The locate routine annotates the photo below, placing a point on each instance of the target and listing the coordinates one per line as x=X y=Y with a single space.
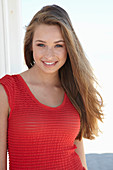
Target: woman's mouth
x=48 y=63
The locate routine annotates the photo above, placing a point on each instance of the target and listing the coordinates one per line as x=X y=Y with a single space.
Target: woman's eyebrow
x=59 y=41
x=46 y=42
x=40 y=41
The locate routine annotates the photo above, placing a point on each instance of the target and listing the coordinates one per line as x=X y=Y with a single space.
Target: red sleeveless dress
x=40 y=137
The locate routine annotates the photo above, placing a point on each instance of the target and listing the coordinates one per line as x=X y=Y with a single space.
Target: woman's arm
x=80 y=152
x=4 y=107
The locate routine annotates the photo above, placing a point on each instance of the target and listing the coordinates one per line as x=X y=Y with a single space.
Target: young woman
x=47 y=110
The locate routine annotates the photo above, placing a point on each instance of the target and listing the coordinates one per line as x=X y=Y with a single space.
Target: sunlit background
x=93 y=24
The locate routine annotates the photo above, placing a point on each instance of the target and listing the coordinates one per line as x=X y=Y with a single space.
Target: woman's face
x=48 y=46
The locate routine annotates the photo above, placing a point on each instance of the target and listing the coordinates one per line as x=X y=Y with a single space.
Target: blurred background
x=93 y=24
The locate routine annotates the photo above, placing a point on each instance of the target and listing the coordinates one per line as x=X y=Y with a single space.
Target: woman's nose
x=50 y=53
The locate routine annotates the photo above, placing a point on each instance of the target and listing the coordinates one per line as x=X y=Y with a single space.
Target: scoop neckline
x=36 y=100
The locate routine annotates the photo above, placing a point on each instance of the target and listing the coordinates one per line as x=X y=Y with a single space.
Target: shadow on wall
x=100 y=161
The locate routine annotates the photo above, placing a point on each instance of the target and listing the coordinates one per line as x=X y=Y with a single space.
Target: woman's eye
x=58 y=45
x=40 y=45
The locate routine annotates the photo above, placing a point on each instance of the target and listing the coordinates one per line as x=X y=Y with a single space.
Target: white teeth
x=49 y=63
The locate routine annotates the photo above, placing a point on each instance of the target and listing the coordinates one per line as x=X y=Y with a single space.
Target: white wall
x=11 y=61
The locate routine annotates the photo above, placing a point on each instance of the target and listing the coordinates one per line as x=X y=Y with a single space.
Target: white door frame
x=11 y=53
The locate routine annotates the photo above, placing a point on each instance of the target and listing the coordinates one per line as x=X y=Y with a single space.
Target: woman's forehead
x=48 y=32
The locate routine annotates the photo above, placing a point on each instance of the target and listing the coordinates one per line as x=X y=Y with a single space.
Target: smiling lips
x=48 y=63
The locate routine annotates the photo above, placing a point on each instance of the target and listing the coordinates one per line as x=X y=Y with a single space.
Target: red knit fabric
x=40 y=137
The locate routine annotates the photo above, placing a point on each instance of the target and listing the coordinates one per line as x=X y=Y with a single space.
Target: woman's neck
x=48 y=79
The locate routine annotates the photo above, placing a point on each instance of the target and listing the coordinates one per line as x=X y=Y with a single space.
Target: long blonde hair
x=76 y=75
